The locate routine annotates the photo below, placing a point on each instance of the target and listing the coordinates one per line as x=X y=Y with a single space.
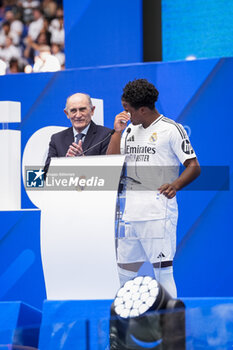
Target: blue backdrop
x=199 y=95
x=102 y=32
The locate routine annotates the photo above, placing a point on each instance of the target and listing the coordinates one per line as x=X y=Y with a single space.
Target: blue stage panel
x=21 y=275
x=81 y=324
x=19 y=325
x=209 y=323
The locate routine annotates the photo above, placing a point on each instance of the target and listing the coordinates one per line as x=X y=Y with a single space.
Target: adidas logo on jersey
x=161 y=255
x=131 y=139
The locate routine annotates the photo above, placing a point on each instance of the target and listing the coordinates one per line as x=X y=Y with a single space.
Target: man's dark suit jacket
x=61 y=141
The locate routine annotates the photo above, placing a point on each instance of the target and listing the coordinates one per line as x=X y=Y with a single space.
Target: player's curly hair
x=140 y=93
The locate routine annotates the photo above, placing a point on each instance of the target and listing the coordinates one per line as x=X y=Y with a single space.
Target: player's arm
x=120 y=124
x=191 y=172
x=181 y=146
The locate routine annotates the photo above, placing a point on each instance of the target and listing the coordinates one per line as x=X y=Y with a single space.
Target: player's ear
x=142 y=110
x=67 y=114
x=92 y=110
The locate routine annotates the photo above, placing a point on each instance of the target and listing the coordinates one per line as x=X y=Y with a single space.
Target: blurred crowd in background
x=31 y=36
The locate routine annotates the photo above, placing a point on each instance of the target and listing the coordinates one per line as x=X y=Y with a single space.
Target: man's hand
x=121 y=121
x=75 y=150
x=167 y=190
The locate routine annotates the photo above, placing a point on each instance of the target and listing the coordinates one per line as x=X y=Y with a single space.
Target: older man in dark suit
x=84 y=137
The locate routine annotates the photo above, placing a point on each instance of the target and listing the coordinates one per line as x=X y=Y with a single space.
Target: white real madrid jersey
x=153 y=158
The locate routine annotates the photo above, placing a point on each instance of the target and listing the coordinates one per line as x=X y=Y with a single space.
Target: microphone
x=127 y=131
x=88 y=149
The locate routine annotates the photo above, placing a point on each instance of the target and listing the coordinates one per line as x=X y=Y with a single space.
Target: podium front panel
x=77 y=233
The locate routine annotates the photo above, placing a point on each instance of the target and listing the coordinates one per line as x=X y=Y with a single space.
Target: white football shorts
x=153 y=241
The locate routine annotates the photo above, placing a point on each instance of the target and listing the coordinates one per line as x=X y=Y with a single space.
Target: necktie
x=78 y=137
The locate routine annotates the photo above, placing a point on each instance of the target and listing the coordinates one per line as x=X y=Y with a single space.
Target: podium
x=78 y=227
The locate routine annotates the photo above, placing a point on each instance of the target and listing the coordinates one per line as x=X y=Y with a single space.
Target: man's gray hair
x=88 y=97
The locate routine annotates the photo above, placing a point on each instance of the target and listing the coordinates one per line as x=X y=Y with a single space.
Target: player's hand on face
x=167 y=190
x=121 y=121
x=75 y=149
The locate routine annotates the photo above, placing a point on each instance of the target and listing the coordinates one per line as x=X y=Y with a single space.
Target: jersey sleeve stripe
x=166 y=120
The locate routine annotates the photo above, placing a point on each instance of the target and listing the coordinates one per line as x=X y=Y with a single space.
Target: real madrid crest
x=153 y=137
